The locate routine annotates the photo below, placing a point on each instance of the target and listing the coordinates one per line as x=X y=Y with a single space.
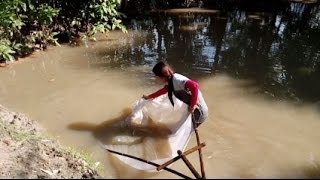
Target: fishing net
x=157 y=131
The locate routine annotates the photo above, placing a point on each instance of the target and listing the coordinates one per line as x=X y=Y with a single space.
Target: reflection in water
x=279 y=48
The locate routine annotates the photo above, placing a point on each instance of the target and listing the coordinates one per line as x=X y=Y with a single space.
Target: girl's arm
x=158 y=93
x=193 y=87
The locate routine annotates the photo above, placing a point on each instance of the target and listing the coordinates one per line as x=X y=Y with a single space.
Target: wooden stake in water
x=199 y=150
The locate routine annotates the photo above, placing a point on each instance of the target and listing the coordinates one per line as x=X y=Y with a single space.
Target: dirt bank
x=27 y=152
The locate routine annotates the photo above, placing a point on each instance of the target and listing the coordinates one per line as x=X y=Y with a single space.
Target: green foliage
x=44 y=14
x=104 y=16
x=6 y=52
x=10 y=19
x=26 y=25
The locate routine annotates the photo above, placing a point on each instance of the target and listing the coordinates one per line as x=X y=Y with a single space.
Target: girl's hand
x=145 y=97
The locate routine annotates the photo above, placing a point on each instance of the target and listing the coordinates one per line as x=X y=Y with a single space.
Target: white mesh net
x=159 y=131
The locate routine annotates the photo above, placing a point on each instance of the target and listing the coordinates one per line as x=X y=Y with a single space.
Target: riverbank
x=27 y=152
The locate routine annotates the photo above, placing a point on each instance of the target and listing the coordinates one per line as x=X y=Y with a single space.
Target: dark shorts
x=200 y=115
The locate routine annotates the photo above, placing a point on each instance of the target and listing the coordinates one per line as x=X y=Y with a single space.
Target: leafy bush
x=26 y=25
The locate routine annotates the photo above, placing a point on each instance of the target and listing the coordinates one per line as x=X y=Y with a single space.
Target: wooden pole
x=192 y=169
x=178 y=157
x=199 y=150
x=151 y=163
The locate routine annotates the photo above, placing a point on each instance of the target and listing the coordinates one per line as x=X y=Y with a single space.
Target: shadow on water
x=110 y=128
x=110 y=132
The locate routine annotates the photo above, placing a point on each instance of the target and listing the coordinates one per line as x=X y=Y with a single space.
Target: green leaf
x=31 y=7
x=23 y=16
x=115 y=12
x=33 y=38
x=106 y=10
x=55 y=42
x=8 y=57
x=10 y=51
x=54 y=33
x=124 y=30
x=100 y=28
x=17 y=46
x=24 y=6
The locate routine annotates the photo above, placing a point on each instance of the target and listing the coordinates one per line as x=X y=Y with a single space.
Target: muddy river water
x=248 y=134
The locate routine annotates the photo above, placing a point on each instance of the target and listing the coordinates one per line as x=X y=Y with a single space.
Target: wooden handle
x=187 y=162
x=151 y=163
x=189 y=151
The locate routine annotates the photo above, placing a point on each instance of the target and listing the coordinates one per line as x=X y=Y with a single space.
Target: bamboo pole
x=178 y=157
x=199 y=150
x=151 y=163
x=189 y=165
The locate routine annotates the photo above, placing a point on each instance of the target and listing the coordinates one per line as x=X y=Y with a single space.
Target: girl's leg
x=199 y=116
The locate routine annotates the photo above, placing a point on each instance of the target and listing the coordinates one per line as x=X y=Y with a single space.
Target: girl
x=183 y=88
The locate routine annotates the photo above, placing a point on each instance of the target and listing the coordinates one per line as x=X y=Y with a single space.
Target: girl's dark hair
x=157 y=70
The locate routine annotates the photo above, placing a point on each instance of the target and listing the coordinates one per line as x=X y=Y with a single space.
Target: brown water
x=248 y=135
